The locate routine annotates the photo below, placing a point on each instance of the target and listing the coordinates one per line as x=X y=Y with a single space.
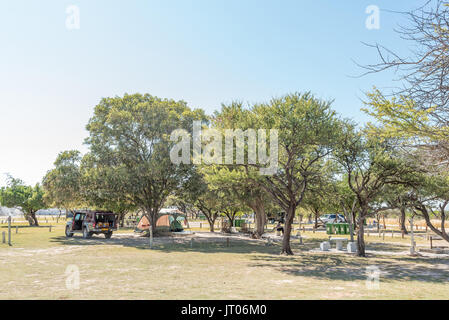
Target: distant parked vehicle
x=89 y=223
x=331 y=218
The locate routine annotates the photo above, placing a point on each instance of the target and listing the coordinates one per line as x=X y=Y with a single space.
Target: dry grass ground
x=124 y=267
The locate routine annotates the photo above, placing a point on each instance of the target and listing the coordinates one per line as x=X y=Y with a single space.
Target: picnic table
x=338 y=242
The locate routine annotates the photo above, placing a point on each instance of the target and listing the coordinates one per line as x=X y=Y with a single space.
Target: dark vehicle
x=89 y=223
x=276 y=217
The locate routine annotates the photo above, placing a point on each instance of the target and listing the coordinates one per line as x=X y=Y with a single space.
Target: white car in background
x=331 y=218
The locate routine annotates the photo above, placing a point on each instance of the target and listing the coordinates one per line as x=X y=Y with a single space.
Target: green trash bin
x=329 y=228
x=238 y=223
x=345 y=228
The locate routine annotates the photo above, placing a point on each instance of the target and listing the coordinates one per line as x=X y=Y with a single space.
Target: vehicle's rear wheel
x=108 y=235
x=86 y=234
x=68 y=234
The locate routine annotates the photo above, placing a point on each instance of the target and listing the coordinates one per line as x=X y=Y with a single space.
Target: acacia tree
x=131 y=134
x=237 y=193
x=370 y=165
x=102 y=188
x=425 y=143
x=26 y=198
x=308 y=130
x=399 y=197
x=233 y=178
x=424 y=72
x=430 y=199
x=320 y=196
x=419 y=108
x=198 y=193
x=62 y=184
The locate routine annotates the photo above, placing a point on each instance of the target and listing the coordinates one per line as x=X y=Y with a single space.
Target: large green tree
x=197 y=192
x=370 y=164
x=102 y=188
x=26 y=198
x=308 y=130
x=244 y=185
x=131 y=134
x=62 y=184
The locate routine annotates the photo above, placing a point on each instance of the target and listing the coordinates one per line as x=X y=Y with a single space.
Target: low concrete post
x=9 y=230
x=325 y=246
x=3 y=237
x=412 y=248
x=17 y=229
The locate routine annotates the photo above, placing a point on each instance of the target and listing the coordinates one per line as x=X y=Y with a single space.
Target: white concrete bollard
x=325 y=246
x=352 y=247
x=339 y=245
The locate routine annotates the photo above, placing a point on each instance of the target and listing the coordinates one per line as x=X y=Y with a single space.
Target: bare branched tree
x=424 y=75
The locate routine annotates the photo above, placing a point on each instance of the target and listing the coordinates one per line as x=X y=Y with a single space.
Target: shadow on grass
x=305 y=264
x=352 y=268
x=217 y=244
x=29 y=227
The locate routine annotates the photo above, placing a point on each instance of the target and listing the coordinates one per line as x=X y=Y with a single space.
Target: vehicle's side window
x=77 y=217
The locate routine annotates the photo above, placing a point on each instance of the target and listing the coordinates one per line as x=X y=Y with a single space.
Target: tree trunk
x=426 y=216
x=286 y=248
x=402 y=221
x=354 y=219
x=122 y=220
x=152 y=218
x=260 y=219
x=32 y=220
x=360 y=237
x=211 y=218
x=212 y=222
x=316 y=219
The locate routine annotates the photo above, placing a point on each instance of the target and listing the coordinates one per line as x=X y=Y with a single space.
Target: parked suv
x=91 y=222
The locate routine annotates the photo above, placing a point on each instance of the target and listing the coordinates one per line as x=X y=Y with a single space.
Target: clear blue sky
x=205 y=52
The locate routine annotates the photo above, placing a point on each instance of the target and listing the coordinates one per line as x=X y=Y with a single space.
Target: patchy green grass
x=124 y=267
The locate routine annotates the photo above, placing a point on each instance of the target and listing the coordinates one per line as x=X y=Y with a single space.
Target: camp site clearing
x=202 y=265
